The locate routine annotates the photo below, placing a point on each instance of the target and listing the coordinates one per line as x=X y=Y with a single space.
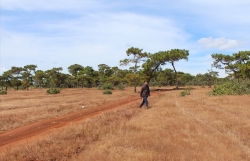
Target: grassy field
x=194 y=127
x=20 y=108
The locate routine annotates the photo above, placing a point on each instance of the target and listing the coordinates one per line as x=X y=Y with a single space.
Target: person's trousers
x=145 y=100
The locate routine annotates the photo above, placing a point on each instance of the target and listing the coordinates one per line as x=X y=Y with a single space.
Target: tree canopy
x=137 y=57
x=236 y=65
x=141 y=66
x=161 y=58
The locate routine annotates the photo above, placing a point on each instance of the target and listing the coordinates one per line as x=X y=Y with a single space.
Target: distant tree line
x=237 y=66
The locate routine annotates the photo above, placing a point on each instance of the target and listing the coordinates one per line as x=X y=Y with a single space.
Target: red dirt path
x=15 y=136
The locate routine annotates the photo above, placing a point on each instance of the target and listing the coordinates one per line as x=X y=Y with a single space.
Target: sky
x=60 y=33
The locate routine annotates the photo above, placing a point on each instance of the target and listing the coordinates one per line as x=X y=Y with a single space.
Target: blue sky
x=59 y=33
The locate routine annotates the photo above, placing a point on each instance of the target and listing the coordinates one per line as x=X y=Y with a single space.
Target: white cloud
x=220 y=43
x=91 y=40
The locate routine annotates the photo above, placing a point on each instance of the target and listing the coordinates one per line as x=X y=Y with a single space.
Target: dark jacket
x=145 y=92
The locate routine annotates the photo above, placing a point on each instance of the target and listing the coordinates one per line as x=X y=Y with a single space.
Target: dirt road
x=42 y=127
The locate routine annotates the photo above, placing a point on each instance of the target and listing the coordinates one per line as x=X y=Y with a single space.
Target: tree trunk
x=135 y=85
x=39 y=84
x=175 y=75
x=135 y=78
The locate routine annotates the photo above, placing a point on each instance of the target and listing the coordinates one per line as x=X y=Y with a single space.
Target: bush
x=186 y=91
x=183 y=93
x=21 y=88
x=232 y=88
x=107 y=86
x=3 y=92
x=107 y=92
x=53 y=91
x=121 y=86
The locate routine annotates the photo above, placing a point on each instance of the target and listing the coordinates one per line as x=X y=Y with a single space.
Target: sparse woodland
x=142 y=66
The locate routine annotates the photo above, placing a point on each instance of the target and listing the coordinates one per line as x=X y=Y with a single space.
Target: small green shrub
x=107 y=86
x=107 y=92
x=53 y=91
x=202 y=86
x=3 y=92
x=186 y=91
x=247 y=85
x=183 y=93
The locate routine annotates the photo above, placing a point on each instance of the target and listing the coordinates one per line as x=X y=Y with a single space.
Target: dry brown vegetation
x=20 y=108
x=194 y=127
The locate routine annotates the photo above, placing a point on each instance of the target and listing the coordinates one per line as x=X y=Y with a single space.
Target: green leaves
x=53 y=91
x=107 y=92
x=236 y=65
x=75 y=69
x=185 y=92
x=54 y=77
x=161 y=58
x=133 y=79
x=137 y=57
x=136 y=52
x=2 y=92
x=232 y=88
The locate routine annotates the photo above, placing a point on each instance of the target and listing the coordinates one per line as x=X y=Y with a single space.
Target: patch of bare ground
x=195 y=127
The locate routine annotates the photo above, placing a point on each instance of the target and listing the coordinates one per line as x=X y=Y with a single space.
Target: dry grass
x=20 y=108
x=181 y=129
x=69 y=142
x=195 y=127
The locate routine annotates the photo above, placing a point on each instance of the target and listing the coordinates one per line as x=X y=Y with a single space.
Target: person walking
x=145 y=92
